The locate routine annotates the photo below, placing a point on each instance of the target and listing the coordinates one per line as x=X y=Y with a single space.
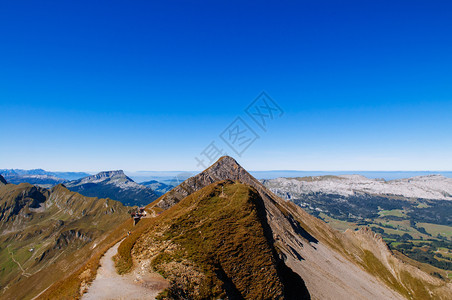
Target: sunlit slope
x=216 y=243
x=332 y=264
x=45 y=234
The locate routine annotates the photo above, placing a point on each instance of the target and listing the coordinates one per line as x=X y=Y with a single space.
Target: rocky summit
x=114 y=185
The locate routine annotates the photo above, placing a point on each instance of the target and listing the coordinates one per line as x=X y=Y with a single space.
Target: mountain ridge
x=332 y=264
x=434 y=187
x=219 y=244
x=46 y=181
x=63 y=175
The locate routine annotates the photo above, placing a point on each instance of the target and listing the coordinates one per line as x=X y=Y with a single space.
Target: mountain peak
x=110 y=173
x=225 y=168
x=227 y=160
x=305 y=247
x=102 y=176
x=225 y=163
x=115 y=185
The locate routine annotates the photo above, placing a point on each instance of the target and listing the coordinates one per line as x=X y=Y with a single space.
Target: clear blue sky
x=147 y=85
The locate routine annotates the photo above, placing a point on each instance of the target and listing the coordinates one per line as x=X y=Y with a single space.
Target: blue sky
x=98 y=85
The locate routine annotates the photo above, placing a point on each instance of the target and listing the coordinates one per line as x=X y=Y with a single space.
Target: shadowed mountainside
x=2 y=180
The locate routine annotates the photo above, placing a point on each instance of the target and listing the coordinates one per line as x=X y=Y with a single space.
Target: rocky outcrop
x=225 y=168
x=71 y=237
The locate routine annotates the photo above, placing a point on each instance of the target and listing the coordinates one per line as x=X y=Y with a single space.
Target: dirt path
x=139 y=284
x=20 y=266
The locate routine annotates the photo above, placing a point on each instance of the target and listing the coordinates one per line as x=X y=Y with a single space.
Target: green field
x=337 y=224
x=435 y=229
x=395 y=212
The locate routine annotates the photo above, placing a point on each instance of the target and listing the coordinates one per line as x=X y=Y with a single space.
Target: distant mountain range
x=40 y=177
x=426 y=187
x=61 y=175
x=110 y=184
x=157 y=186
x=386 y=175
x=114 y=185
x=45 y=181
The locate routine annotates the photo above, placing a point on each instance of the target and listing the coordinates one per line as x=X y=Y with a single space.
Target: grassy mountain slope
x=45 y=234
x=331 y=263
x=213 y=238
x=214 y=244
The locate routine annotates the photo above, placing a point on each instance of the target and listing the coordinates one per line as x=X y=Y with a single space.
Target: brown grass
x=218 y=230
x=69 y=287
x=123 y=260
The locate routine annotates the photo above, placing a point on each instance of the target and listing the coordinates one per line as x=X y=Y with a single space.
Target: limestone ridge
x=433 y=187
x=2 y=180
x=114 y=185
x=101 y=176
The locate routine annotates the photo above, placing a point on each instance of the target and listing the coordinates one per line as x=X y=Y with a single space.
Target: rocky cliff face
x=18 y=202
x=225 y=168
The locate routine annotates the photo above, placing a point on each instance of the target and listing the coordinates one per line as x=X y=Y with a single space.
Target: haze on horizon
x=148 y=86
